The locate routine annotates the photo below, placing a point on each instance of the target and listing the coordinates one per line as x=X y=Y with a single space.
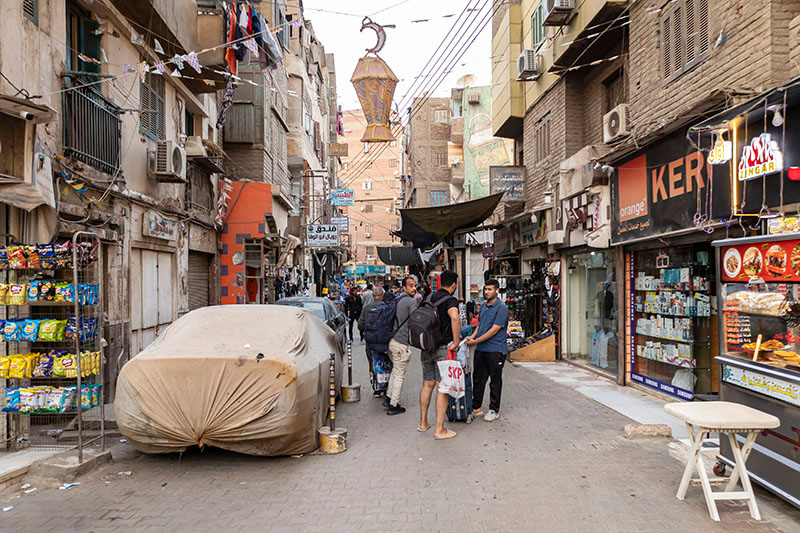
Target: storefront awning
x=400 y=255
x=427 y=226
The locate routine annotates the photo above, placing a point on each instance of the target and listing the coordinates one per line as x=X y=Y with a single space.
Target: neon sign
x=721 y=153
x=762 y=156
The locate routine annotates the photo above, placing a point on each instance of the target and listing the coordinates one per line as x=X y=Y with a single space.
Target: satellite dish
x=465 y=81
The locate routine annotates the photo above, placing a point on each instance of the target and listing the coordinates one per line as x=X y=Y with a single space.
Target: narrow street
x=555 y=461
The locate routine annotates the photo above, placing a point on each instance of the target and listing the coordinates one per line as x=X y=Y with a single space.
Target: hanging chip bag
x=11 y=400
x=16 y=257
x=44 y=367
x=16 y=295
x=47 y=256
x=30 y=329
x=31 y=256
x=5 y=363
x=52 y=330
x=12 y=330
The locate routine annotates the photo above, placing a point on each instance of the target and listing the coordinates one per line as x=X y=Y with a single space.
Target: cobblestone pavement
x=555 y=461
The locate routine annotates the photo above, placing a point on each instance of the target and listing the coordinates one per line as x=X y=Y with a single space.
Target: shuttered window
x=537 y=27
x=30 y=9
x=151 y=102
x=199 y=280
x=684 y=38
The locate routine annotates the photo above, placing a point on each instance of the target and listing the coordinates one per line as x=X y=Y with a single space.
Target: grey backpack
x=424 y=324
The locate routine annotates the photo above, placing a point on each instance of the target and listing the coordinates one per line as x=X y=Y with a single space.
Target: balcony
x=592 y=34
x=92 y=126
x=457 y=173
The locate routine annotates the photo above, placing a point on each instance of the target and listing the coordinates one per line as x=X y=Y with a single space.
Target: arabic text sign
x=321 y=235
x=343 y=223
x=507 y=179
x=343 y=197
x=766 y=385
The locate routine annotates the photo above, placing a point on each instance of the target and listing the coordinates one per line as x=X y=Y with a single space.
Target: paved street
x=556 y=461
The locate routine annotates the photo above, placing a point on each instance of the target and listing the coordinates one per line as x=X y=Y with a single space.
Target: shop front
x=663 y=212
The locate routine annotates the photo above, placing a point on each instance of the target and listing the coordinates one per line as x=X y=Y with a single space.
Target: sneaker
x=395 y=410
x=386 y=402
x=477 y=412
x=377 y=394
x=491 y=416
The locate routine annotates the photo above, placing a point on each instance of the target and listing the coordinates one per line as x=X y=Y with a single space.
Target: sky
x=409 y=45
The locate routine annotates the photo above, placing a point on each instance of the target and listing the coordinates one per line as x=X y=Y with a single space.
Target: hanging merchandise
x=374 y=83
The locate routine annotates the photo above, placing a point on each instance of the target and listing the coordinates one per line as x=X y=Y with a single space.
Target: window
x=537 y=27
x=188 y=126
x=30 y=10
x=440 y=159
x=81 y=39
x=368 y=229
x=366 y=148
x=615 y=90
x=369 y=250
x=542 y=137
x=393 y=162
x=684 y=38
x=151 y=106
x=368 y=208
x=438 y=198
x=366 y=185
x=280 y=21
x=441 y=116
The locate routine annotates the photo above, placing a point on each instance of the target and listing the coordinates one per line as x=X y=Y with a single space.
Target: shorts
x=430 y=368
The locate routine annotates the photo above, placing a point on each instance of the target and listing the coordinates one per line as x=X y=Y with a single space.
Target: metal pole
x=333 y=393
x=350 y=362
x=78 y=330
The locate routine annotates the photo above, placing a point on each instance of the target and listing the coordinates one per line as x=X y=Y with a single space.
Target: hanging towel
x=230 y=53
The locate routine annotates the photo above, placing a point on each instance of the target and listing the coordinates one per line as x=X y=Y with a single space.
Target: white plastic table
x=702 y=418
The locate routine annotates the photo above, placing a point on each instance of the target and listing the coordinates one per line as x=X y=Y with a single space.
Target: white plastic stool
x=725 y=417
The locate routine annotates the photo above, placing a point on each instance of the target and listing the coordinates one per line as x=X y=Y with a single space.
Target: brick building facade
x=426 y=146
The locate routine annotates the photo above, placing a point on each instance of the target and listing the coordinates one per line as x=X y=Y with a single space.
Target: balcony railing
x=92 y=125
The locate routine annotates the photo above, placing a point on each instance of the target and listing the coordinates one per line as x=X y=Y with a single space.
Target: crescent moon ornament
x=379 y=32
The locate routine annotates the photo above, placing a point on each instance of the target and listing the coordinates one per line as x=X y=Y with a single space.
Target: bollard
x=352 y=391
x=332 y=440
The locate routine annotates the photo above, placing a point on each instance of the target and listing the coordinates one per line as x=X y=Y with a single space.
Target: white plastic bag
x=462 y=355
x=452 y=378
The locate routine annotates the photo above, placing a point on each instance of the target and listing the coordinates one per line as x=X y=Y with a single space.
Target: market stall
x=759 y=293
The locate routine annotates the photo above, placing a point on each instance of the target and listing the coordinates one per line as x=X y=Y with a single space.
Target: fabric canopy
x=400 y=255
x=427 y=226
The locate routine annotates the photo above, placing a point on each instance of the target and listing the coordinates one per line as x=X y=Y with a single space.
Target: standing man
x=352 y=309
x=375 y=302
x=490 y=352
x=368 y=295
x=448 y=336
x=399 y=350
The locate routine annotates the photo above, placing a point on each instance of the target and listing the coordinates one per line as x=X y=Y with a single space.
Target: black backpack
x=424 y=324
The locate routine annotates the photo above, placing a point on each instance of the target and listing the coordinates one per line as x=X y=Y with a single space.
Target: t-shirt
x=493 y=315
x=367 y=297
x=444 y=301
x=405 y=305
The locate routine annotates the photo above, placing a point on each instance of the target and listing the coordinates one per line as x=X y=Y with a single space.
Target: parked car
x=248 y=378
x=326 y=311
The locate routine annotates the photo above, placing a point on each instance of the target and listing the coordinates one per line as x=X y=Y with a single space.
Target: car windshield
x=315 y=307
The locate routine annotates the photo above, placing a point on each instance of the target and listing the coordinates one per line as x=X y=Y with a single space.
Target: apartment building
x=375 y=173
x=427 y=137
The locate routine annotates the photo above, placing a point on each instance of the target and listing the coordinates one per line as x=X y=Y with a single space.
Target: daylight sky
x=409 y=45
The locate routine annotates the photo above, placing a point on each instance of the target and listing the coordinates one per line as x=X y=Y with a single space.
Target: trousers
x=400 y=354
x=488 y=366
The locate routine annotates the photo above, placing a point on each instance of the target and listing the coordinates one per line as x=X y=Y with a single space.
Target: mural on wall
x=481 y=150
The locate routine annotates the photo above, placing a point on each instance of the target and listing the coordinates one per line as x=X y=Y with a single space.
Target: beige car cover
x=249 y=378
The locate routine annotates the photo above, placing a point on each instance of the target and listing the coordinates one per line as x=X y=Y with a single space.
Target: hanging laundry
x=227 y=102
x=270 y=44
x=230 y=53
x=252 y=46
x=157 y=46
x=191 y=58
x=159 y=65
x=241 y=32
x=250 y=11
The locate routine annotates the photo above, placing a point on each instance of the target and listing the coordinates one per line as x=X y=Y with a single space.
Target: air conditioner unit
x=169 y=163
x=559 y=12
x=528 y=66
x=474 y=98
x=616 y=123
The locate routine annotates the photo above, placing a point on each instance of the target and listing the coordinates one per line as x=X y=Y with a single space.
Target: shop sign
x=656 y=191
x=767 y=385
x=344 y=239
x=532 y=233
x=338 y=149
x=761 y=157
x=721 y=153
x=779 y=226
x=322 y=235
x=487 y=250
x=663 y=387
x=508 y=179
x=770 y=261
x=343 y=223
x=156 y=226
x=343 y=197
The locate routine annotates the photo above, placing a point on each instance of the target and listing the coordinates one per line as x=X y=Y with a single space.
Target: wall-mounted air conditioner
x=559 y=12
x=169 y=163
x=474 y=98
x=528 y=66
x=616 y=123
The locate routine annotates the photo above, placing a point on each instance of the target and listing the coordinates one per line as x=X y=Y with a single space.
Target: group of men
x=489 y=339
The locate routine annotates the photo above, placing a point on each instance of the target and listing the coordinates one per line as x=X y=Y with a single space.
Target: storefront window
x=591 y=333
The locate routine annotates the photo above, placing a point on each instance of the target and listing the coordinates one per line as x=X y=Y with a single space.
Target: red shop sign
x=770 y=261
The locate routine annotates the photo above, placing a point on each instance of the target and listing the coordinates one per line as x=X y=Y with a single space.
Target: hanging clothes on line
x=230 y=53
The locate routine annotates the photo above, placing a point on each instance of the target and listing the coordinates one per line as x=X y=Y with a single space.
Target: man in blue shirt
x=490 y=352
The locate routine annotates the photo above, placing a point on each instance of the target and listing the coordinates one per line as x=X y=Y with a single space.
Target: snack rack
x=65 y=363
x=759 y=296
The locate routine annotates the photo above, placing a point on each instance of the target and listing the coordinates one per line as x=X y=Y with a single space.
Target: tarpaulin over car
x=248 y=378
x=427 y=226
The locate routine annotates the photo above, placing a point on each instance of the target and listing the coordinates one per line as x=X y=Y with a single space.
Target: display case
x=672 y=312
x=759 y=359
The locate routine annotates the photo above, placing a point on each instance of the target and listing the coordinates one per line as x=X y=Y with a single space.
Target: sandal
x=423 y=430
x=449 y=435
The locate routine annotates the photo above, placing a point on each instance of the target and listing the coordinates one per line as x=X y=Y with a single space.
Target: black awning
x=400 y=255
x=428 y=226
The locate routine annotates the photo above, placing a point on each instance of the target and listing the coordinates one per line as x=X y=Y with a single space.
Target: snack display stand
x=51 y=363
x=759 y=297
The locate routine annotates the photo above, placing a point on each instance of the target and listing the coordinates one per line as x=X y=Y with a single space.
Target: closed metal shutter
x=199 y=272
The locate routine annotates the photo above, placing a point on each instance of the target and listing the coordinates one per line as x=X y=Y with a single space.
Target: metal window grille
x=438 y=198
x=30 y=10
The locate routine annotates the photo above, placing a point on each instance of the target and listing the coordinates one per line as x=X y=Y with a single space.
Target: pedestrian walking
x=446 y=335
x=377 y=296
x=352 y=310
x=490 y=351
x=399 y=349
x=368 y=295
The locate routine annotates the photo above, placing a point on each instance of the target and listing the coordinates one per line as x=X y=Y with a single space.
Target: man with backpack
x=399 y=350
x=433 y=328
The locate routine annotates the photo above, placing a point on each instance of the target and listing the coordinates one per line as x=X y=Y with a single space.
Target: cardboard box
x=542 y=350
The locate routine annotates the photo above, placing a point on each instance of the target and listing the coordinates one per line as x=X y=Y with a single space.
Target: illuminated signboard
x=761 y=157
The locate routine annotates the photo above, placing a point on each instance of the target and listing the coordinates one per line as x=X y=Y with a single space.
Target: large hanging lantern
x=375 y=82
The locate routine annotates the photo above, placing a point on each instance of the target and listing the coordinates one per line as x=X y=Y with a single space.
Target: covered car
x=248 y=378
